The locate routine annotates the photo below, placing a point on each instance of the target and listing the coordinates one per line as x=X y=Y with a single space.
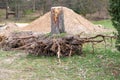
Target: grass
x=105 y=23
x=101 y=65
x=27 y=18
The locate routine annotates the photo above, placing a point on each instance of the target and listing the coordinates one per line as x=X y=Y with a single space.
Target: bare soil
x=74 y=23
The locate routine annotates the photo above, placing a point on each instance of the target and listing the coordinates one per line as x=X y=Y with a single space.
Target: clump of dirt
x=7 y=28
x=74 y=23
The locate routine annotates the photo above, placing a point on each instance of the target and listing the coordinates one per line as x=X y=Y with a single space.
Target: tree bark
x=34 y=5
x=7 y=9
x=57 y=20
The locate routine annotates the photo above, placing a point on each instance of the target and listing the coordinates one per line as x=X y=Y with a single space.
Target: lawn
x=105 y=23
x=103 y=64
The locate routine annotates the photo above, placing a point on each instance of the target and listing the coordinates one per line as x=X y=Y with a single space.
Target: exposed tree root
x=50 y=46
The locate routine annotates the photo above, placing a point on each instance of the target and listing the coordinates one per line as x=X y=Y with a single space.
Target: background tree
x=115 y=14
x=84 y=7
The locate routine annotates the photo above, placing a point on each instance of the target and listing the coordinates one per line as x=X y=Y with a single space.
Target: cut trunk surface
x=57 y=20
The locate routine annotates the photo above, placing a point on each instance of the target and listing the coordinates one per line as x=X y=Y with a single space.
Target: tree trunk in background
x=7 y=9
x=34 y=4
x=16 y=10
x=57 y=20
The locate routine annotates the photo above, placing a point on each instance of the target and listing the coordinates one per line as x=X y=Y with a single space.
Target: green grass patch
x=103 y=64
x=105 y=23
x=28 y=12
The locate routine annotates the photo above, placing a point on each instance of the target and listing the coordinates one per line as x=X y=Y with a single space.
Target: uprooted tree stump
x=42 y=45
x=57 y=20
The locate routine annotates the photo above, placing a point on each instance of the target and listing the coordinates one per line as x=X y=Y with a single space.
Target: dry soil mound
x=8 y=28
x=74 y=23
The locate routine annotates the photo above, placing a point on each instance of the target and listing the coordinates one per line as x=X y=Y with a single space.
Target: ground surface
x=106 y=23
x=102 y=65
